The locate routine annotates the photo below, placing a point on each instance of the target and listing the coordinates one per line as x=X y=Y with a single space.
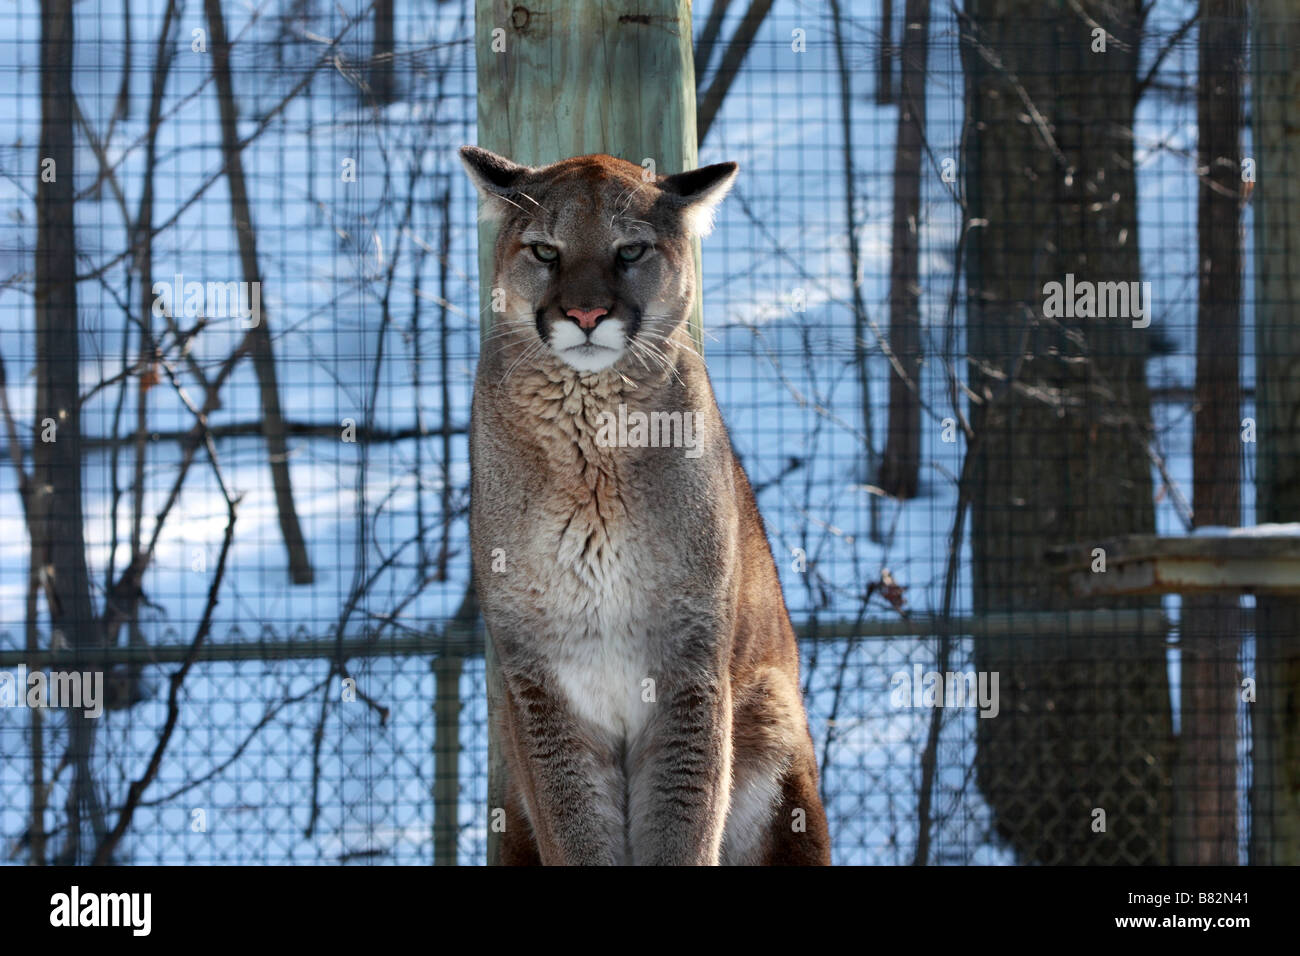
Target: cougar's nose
x=586 y=318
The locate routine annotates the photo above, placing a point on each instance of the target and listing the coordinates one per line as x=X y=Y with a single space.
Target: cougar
x=651 y=710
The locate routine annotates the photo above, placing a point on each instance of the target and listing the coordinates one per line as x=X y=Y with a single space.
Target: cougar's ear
x=495 y=177
x=698 y=193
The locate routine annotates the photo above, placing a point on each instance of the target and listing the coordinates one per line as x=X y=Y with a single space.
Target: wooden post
x=560 y=78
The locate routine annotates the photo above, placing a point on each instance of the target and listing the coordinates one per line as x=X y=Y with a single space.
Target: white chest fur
x=598 y=595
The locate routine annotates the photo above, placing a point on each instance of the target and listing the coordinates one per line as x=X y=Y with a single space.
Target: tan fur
x=602 y=569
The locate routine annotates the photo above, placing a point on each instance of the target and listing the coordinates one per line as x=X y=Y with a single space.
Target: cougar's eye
x=545 y=253
x=632 y=252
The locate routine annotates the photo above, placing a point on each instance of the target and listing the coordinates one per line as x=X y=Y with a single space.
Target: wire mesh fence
x=275 y=288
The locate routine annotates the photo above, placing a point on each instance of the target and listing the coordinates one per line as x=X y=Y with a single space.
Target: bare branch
x=734 y=56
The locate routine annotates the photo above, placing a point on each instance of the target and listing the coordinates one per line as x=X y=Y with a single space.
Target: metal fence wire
x=241 y=516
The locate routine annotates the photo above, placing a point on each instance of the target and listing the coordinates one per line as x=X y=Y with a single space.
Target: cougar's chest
x=593 y=560
x=599 y=595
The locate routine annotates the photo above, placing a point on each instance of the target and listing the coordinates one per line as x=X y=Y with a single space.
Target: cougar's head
x=594 y=259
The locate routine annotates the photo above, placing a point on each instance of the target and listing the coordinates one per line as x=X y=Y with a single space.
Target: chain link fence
x=303 y=682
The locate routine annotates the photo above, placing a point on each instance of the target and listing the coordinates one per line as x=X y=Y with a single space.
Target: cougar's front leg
x=680 y=772
x=571 y=783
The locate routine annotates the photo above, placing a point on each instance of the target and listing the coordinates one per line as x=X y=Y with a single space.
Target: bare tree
x=122 y=109
x=109 y=840
x=1060 y=406
x=1211 y=625
x=51 y=494
x=1275 y=800
x=885 y=68
x=123 y=607
x=711 y=99
x=382 y=86
x=300 y=571
x=709 y=36
x=58 y=545
x=901 y=463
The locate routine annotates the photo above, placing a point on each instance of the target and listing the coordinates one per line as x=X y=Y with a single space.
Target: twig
x=105 y=850
x=1174 y=39
x=711 y=100
x=709 y=38
x=930 y=753
x=326 y=59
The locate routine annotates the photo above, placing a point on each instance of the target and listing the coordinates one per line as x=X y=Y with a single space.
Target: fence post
x=446 y=780
x=560 y=78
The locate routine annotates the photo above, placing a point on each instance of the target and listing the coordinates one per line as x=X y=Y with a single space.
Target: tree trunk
x=1275 y=800
x=1206 y=792
x=58 y=545
x=885 y=68
x=900 y=466
x=1062 y=418
x=300 y=571
x=861 y=350
x=382 y=86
